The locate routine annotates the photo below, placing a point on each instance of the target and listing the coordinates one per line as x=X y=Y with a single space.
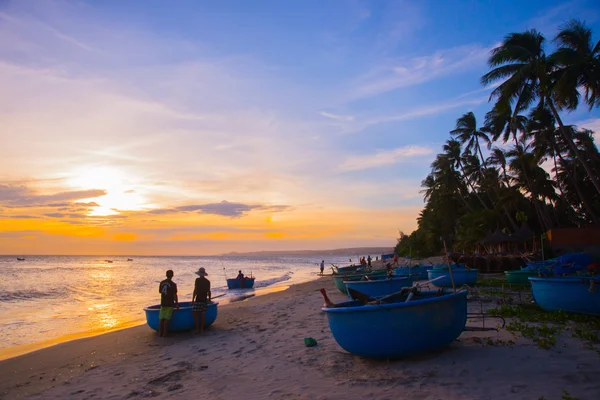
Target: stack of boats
x=566 y=283
x=390 y=316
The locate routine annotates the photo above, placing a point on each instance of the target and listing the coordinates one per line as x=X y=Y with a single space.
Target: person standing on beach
x=200 y=299
x=369 y=261
x=168 y=300
x=322 y=267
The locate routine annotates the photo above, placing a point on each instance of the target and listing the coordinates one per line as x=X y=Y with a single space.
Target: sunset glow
x=129 y=133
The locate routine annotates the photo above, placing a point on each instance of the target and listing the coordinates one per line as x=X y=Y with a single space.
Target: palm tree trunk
x=573 y=147
x=468 y=181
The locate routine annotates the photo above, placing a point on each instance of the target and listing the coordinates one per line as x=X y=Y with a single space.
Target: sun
x=117 y=184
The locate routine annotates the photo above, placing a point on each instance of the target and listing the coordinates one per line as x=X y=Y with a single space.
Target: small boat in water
x=574 y=294
x=462 y=276
x=379 y=287
x=244 y=283
x=20 y=259
x=130 y=259
x=409 y=325
x=338 y=279
x=183 y=319
x=108 y=261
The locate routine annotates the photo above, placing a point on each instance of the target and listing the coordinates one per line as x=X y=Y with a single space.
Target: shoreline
x=255 y=349
x=16 y=351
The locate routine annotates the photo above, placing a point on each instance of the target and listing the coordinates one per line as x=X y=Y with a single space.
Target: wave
x=19 y=295
x=272 y=281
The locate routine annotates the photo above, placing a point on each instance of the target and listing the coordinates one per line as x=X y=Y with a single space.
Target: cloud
x=592 y=124
x=224 y=208
x=360 y=123
x=398 y=73
x=344 y=118
x=384 y=157
x=22 y=196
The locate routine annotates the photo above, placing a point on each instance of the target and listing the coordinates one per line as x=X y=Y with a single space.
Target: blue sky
x=318 y=106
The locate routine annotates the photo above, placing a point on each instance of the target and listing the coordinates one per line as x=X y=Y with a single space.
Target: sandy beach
x=255 y=350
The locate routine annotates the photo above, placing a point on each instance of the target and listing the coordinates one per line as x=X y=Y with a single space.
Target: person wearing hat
x=200 y=299
x=168 y=300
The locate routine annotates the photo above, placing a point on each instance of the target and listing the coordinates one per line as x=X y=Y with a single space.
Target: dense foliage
x=537 y=169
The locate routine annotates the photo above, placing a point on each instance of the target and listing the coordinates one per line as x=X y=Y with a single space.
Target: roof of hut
x=523 y=234
x=495 y=238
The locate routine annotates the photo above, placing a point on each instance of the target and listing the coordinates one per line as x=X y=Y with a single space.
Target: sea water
x=57 y=298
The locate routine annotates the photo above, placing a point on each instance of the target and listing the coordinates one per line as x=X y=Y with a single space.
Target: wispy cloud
x=22 y=196
x=342 y=118
x=384 y=158
x=359 y=123
x=398 y=73
x=592 y=124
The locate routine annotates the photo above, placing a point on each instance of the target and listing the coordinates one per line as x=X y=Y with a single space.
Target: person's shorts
x=199 y=306
x=165 y=313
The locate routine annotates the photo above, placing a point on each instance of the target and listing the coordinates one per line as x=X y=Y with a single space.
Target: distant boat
x=130 y=259
x=108 y=261
x=20 y=259
x=244 y=283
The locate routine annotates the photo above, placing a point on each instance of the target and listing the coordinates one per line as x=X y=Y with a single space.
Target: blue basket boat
x=461 y=277
x=339 y=279
x=347 y=269
x=182 y=319
x=245 y=283
x=428 y=322
x=571 y=294
x=380 y=287
x=445 y=266
x=418 y=271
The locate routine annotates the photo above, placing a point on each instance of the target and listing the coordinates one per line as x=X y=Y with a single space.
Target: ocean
x=47 y=299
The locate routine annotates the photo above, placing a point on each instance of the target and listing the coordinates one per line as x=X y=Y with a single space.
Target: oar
x=216 y=297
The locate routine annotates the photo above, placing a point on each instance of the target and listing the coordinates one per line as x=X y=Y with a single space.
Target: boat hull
x=246 y=283
x=420 y=271
x=519 y=277
x=399 y=329
x=380 y=287
x=183 y=319
x=571 y=294
x=461 y=277
x=338 y=279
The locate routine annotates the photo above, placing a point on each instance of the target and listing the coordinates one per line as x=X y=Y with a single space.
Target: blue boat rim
x=376 y=307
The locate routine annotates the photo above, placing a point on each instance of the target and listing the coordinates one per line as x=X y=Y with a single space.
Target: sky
x=197 y=127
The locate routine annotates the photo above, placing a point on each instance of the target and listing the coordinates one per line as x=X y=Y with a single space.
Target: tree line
x=545 y=173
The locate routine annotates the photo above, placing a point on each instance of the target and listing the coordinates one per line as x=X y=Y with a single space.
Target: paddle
x=216 y=297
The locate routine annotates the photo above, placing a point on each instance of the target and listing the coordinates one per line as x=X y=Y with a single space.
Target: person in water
x=168 y=301
x=240 y=275
x=322 y=267
x=200 y=299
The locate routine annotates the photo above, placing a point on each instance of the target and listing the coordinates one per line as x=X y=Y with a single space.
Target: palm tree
x=452 y=151
x=498 y=158
x=578 y=65
x=467 y=133
x=521 y=60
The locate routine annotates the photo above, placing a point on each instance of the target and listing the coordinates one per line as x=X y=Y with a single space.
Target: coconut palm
x=527 y=71
x=578 y=66
x=469 y=135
